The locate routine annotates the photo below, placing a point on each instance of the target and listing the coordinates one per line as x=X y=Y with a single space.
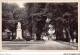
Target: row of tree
x=62 y=15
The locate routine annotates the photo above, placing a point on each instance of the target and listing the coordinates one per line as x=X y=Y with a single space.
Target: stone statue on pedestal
x=19 y=31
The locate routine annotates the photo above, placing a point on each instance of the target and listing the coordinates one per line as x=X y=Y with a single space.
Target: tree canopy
x=12 y=13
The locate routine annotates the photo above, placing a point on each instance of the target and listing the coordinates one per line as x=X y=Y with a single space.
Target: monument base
x=19 y=34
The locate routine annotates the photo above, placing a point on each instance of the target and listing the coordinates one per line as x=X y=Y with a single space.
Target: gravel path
x=38 y=45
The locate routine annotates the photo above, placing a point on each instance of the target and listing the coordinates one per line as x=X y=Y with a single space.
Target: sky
x=20 y=4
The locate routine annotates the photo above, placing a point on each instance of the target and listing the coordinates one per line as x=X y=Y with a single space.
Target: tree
x=8 y=20
x=53 y=11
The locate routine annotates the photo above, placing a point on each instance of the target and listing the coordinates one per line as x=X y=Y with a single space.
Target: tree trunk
x=68 y=35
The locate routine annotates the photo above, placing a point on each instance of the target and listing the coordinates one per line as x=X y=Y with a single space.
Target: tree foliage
x=28 y=16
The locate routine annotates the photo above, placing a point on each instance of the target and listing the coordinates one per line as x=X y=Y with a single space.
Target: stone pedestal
x=19 y=34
